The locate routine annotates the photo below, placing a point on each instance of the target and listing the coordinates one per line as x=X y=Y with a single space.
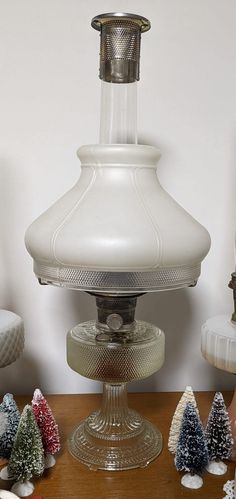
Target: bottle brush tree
x=3 y=427
x=229 y=488
x=10 y=409
x=191 y=452
x=48 y=427
x=218 y=436
x=188 y=396
x=27 y=457
x=3 y=422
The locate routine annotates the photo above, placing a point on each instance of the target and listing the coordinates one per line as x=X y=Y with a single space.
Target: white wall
x=49 y=105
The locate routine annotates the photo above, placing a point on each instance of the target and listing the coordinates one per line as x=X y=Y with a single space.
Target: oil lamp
x=116 y=235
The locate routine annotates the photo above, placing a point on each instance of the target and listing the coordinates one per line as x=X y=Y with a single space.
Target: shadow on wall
x=171 y=311
x=5 y=220
x=23 y=372
x=81 y=306
x=174 y=312
x=13 y=208
x=228 y=231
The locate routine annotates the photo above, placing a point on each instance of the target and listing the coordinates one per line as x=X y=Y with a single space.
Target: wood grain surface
x=71 y=480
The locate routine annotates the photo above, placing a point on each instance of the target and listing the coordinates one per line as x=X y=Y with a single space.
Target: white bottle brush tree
x=27 y=457
x=191 y=452
x=48 y=427
x=9 y=408
x=229 y=488
x=218 y=436
x=188 y=396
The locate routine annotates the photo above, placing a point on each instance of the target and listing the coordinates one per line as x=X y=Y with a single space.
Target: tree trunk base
x=217 y=468
x=192 y=481
x=23 y=489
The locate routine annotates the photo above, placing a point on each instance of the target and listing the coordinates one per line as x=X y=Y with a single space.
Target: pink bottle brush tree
x=48 y=427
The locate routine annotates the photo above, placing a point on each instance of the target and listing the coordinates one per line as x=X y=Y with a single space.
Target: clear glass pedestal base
x=115 y=350
x=115 y=437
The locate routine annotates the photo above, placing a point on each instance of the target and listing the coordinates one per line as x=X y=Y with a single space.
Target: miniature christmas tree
x=9 y=407
x=27 y=457
x=218 y=436
x=3 y=422
x=191 y=452
x=3 y=427
x=48 y=427
x=229 y=488
x=188 y=396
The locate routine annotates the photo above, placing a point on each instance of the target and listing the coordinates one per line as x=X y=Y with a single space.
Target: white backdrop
x=49 y=106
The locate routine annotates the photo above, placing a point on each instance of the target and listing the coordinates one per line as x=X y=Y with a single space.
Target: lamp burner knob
x=114 y=322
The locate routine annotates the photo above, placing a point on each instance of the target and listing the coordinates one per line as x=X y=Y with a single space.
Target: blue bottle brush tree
x=11 y=411
x=191 y=453
x=218 y=436
x=3 y=423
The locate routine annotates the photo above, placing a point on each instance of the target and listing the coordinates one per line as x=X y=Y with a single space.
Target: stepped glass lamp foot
x=115 y=437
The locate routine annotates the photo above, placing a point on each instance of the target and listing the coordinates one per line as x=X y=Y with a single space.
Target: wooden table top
x=71 y=480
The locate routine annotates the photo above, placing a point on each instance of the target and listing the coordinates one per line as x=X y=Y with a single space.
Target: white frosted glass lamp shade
x=11 y=337
x=117 y=228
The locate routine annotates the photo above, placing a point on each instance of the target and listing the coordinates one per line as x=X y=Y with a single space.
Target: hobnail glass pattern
x=122 y=282
x=11 y=337
x=116 y=362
